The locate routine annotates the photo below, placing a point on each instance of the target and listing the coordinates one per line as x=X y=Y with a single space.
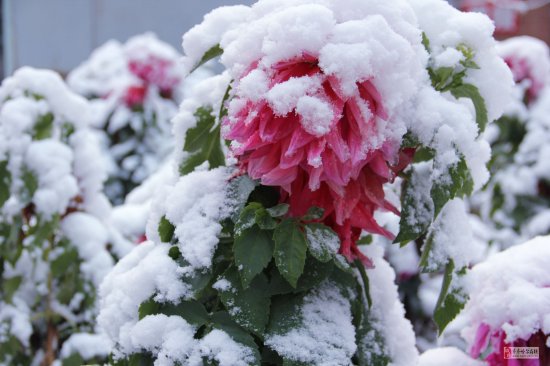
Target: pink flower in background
x=324 y=151
x=499 y=351
x=521 y=69
x=529 y=60
x=135 y=95
x=151 y=70
x=156 y=71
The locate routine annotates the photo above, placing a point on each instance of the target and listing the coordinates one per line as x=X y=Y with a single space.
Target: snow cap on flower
x=509 y=300
x=529 y=60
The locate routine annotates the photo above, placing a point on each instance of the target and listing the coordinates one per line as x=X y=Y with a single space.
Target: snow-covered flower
x=529 y=60
x=134 y=90
x=509 y=304
x=315 y=141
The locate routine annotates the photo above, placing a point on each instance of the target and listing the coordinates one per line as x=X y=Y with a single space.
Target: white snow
x=447 y=356
x=51 y=161
x=90 y=237
x=195 y=206
x=219 y=346
x=388 y=310
x=144 y=272
x=453 y=238
x=326 y=335
x=510 y=291
x=87 y=345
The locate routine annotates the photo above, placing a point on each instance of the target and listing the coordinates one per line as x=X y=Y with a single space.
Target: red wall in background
x=536 y=23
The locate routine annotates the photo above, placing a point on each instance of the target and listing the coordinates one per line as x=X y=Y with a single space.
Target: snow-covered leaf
x=203 y=143
x=213 y=52
x=253 y=250
x=192 y=311
x=314 y=213
x=9 y=286
x=315 y=273
x=248 y=307
x=290 y=250
x=456 y=183
x=472 y=92
x=322 y=241
x=451 y=300
x=166 y=230
x=238 y=191
x=417 y=207
x=5 y=181
x=223 y=321
x=280 y=210
x=44 y=127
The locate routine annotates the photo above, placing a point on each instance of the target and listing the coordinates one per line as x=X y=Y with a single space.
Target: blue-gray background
x=59 y=34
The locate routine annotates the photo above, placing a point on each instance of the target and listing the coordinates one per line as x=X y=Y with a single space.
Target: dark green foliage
x=203 y=142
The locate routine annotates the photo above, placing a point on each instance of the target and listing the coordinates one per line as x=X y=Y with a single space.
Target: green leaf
x=472 y=92
x=416 y=207
x=223 y=107
x=247 y=218
x=9 y=286
x=44 y=230
x=440 y=77
x=12 y=247
x=213 y=52
x=365 y=240
x=285 y=313
x=409 y=140
x=450 y=301
x=253 y=251
x=197 y=280
x=223 y=321
x=290 y=250
x=322 y=241
x=62 y=263
x=426 y=42
x=192 y=311
x=5 y=182
x=74 y=359
x=456 y=183
x=315 y=273
x=264 y=220
x=314 y=213
x=238 y=191
x=203 y=143
x=30 y=185
x=366 y=287
x=342 y=264
x=248 y=307
x=174 y=252
x=44 y=127
x=425 y=257
x=279 y=211
x=373 y=352
x=166 y=230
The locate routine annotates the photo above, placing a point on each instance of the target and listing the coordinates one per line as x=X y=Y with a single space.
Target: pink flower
x=329 y=161
x=156 y=71
x=522 y=71
x=495 y=341
x=135 y=95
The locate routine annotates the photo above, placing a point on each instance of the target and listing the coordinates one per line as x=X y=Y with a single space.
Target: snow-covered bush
x=513 y=207
x=253 y=254
x=134 y=89
x=52 y=238
x=509 y=304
